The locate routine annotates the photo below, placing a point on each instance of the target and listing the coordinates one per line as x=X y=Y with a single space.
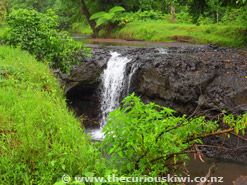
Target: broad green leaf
x=108 y=16
x=116 y=9
x=89 y=174
x=97 y=15
x=101 y=21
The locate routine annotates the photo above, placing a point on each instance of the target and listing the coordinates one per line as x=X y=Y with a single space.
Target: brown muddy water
x=228 y=170
x=91 y=42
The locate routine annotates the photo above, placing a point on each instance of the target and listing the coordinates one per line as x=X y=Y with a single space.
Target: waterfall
x=113 y=83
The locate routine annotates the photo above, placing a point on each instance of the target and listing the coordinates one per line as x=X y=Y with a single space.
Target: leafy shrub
x=124 y=18
x=183 y=17
x=235 y=16
x=3 y=29
x=36 y=33
x=205 y=20
x=146 y=15
x=103 y=18
x=82 y=28
x=40 y=140
x=150 y=140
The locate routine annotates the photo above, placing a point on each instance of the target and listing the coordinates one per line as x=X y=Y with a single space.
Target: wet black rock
x=213 y=78
x=82 y=86
x=177 y=80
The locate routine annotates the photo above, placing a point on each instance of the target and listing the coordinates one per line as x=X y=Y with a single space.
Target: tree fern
x=97 y=15
x=106 y=17
x=101 y=21
x=116 y=9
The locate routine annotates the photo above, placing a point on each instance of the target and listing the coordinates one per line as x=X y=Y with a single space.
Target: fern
x=106 y=17
x=101 y=21
x=97 y=15
x=116 y=9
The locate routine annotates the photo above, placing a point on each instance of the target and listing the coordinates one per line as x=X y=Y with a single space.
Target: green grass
x=163 y=31
x=40 y=140
x=3 y=28
x=82 y=28
x=160 y=31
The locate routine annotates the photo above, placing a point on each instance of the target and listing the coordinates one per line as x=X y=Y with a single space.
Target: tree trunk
x=173 y=12
x=86 y=13
x=217 y=15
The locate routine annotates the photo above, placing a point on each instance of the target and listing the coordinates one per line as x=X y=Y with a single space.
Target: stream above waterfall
x=95 y=42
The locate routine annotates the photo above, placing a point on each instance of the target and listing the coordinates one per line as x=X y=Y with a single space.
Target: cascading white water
x=162 y=50
x=113 y=82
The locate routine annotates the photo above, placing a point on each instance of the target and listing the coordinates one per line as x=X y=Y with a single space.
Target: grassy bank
x=82 y=28
x=224 y=35
x=161 y=31
x=40 y=140
x=3 y=28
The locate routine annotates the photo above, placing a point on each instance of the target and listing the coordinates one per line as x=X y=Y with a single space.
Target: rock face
x=187 y=77
x=203 y=78
x=82 y=86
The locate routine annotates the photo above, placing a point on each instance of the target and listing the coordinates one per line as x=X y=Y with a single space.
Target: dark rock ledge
x=215 y=78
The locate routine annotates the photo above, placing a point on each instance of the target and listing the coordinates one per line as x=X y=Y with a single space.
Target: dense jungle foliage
x=76 y=16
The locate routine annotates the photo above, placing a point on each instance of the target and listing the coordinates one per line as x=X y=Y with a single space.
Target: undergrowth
x=40 y=140
x=82 y=28
x=163 y=31
x=159 y=31
x=3 y=28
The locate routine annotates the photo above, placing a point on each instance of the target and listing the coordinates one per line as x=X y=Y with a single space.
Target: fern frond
x=101 y=21
x=97 y=15
x=116 y=9
x=108 y=16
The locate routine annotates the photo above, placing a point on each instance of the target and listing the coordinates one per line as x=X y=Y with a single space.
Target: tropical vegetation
x=153 y=141
x=79 y=15
x=36 y=33
x=41 y=139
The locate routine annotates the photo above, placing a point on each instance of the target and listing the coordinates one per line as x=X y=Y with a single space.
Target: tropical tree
x=90 y=7
x=86 y=8
x=104 y=17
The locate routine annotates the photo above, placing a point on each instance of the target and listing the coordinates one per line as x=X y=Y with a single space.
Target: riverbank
x=161 y=31
x=38 y=133
x=3 y=28
x=223 y=35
